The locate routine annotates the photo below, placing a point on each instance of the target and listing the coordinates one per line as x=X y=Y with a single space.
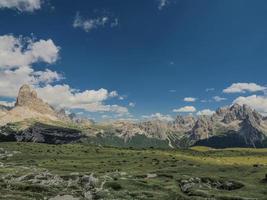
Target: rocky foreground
x=33 y=120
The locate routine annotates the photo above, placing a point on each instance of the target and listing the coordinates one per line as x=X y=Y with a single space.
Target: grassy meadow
x=196 y=173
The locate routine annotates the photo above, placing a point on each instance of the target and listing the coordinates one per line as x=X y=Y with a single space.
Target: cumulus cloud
x=218 y=98
x=47 y=76
x=259 y=103
x=205 y=112
x=113 y=94
x=244 y=87
x=89 y=100
x=21 y=5
x=190 y=99
x=90 y=24
x=18 y=52
x=187 y=109
x=17 y=57
x=11 y=80
x=158 y=116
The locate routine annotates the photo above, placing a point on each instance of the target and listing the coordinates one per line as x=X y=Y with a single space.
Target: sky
x=124 y=59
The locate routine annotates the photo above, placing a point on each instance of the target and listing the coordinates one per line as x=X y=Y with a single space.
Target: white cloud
x=158 y=116
x=206 y=112
x=47 y=76
x=131 y=104
x=7 y=104
x=172 y=91
x=190 y=99
x=16 y=58
x=244 y=87
x=90 y=24
x=19 y=52
x=113 y=94
x=185 y=109
x=259 y=103
x=162 y=4
x=218 y=98
x=21 y=5
x=89 y=100
x=17 y=55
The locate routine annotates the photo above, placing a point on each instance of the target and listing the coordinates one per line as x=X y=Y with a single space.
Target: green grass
x=247 y=166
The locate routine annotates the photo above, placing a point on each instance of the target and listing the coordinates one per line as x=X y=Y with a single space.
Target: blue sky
x=153 y=53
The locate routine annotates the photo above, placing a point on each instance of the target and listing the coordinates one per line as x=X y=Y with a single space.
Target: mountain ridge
x=235 y=121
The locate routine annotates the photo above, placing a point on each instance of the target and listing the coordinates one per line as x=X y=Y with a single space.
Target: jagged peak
x=238 y=107
x=27 y=97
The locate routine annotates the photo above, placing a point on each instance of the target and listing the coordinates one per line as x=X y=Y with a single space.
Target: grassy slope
x=171 y=166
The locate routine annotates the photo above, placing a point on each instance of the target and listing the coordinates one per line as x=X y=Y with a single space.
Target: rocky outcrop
x=87 y=187
x=40 y=133
x=251 y=131
x=28 y=98
x=202 y=129
x=28 y=106
x=80 y=120
x=183 y=123
x=198 y=187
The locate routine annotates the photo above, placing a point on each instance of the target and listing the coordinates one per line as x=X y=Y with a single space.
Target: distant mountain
x=234 y=126
x=33 y=120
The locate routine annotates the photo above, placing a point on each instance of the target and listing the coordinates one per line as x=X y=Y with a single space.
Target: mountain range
x=33 y=120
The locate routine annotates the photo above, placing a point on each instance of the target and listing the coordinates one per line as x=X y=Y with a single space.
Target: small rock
x=152 y=175
x=89 y=181
x=88 y=195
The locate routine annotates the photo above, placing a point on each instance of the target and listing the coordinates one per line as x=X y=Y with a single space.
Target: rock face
x=28 y=98
x=202 y=129
x=183 y=123
x=28 y=106
x=73 y=118
x=236 y=126
x=41 y=133
x=80 y=120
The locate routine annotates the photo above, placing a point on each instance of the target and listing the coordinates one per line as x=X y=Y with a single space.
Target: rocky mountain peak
x=237 y=112
x=27 y=97
x=183 y=123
